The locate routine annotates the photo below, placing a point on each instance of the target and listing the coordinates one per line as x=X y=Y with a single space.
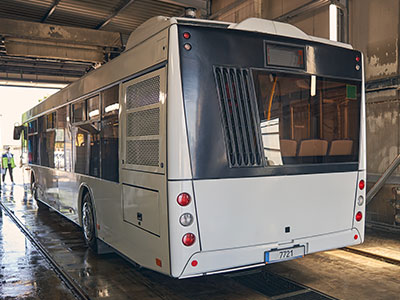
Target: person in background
x=7 y=162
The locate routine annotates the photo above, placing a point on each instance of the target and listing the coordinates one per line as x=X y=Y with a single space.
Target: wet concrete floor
x=346 y=275
x=337 y=273
x=24 y=273
x=383 y=243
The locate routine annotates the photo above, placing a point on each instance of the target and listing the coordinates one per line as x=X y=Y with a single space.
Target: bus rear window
x=301 y=125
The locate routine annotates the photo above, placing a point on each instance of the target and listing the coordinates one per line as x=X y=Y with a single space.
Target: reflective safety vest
x=5 y=161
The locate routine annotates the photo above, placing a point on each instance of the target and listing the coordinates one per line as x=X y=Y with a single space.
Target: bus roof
x=156 y=24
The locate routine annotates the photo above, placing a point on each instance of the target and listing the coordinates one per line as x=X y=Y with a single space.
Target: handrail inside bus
x=382 y=180
x=271 y=97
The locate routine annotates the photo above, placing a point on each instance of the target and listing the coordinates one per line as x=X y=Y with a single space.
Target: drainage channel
x=65 y=277
x=277 y=287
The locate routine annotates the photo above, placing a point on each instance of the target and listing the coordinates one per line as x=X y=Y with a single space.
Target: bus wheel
x=89 y=231
x=41 y=206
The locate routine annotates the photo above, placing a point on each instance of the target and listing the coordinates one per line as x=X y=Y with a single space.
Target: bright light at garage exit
x=14 y=101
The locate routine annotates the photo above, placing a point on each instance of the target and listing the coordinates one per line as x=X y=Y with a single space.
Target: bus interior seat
x=313 y=148
x=288 y=147
x=341 y=147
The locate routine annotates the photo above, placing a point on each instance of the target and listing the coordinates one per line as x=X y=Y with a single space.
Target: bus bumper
x=220 y=261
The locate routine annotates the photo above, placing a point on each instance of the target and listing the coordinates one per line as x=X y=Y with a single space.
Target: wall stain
x=382 y=59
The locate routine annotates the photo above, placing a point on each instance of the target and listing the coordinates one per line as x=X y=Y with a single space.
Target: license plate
x=284 y=254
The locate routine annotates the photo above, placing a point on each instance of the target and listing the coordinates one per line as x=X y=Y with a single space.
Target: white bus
x=208 y=147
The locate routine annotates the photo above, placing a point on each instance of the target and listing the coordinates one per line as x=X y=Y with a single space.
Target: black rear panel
x=222 y=120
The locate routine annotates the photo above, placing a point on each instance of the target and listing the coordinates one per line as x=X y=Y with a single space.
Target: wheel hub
x=87 y=220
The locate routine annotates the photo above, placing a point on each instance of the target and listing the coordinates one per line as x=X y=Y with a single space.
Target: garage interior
x=51 y=43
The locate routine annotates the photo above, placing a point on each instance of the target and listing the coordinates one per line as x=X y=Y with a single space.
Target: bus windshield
x=307 y=119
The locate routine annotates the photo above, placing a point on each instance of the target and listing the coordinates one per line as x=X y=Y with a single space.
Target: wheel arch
x=83 y=190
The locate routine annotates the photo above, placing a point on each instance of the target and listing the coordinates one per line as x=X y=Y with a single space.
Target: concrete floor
x=24 y=274
x=351 y=276
x=344 y=275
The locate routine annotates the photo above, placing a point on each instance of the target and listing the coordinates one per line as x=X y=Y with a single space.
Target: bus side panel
x=68 y=188
x=47 y=186
x=142 y=246
x=143 y=243
x=143 y=220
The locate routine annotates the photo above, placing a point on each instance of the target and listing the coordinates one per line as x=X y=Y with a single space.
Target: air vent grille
x=239 y=117
x=142 y=152
x=143 y=93
x=143 y=122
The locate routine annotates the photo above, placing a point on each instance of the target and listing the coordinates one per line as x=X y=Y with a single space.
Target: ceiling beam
x=199 y=4
x=117 y=11
x=51 y=11
x=226 y=9
x=303 y=10
x=30 y=39
x=56 y=33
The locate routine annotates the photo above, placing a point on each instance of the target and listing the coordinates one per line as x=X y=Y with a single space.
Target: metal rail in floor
x=383 y=258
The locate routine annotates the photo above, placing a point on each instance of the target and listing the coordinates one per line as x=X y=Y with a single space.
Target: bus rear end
x=275 y=149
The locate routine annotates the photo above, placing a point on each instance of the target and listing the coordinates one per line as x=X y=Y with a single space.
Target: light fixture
x=333 y=22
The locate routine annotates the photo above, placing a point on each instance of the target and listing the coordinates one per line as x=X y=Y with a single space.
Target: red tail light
x=183 y=199
x=361 y=184
x=359 y=216
x=188 y=239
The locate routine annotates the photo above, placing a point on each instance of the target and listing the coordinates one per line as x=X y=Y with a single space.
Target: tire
x=41 y=206
x=34 y=190
x=88 y=224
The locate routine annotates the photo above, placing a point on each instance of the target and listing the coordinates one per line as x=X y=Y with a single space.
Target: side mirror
x=17 y=131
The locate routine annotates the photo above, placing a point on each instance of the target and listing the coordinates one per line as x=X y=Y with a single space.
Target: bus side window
x=43 y=159
x=32 y=142
x=109 y=134
x=87 y=136
x=61 y=143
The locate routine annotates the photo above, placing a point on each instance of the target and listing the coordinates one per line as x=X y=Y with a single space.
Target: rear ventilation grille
x=239 y=117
